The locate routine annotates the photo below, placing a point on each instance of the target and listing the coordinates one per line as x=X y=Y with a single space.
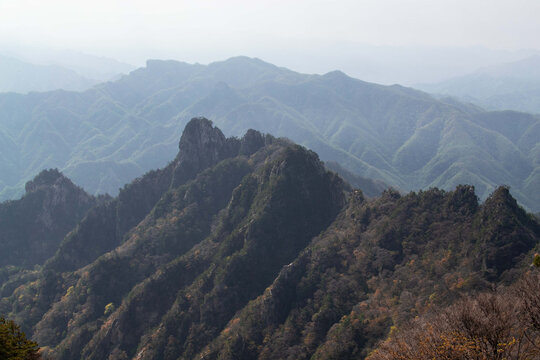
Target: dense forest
x=244 y=248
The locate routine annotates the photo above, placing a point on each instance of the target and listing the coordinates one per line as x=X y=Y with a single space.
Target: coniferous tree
x=13 y=343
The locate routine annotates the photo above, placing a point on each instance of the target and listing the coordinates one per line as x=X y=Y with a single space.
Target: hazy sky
x=206 y=30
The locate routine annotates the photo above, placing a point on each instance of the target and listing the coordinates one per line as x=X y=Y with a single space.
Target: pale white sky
x=206 y=30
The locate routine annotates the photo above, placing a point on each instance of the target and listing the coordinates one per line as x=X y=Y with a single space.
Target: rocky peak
x=31 y=228
x=504 y=245
x=463 y=200
x=252 y=141
x=201 y=146
x=500 y=202
x=58 y=195
x=46 y=178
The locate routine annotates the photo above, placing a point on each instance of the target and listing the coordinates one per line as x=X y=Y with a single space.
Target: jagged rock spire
x=201 y=146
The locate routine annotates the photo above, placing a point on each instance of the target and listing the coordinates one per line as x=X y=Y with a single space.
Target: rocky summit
x=32 y=227
x=247 y=248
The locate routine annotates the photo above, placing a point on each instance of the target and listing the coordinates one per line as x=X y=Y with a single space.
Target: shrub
x=496 y=326
x=109 y=308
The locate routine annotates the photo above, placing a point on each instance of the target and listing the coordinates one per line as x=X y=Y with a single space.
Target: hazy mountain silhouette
x=22 y=77
x=511 y=86
x=107 y=135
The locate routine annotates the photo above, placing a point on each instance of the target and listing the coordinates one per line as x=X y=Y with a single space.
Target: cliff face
x=249 y=248
x=201 y=146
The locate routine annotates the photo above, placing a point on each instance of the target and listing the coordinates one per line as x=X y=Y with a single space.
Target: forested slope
x=249 y=247
x=104 y=137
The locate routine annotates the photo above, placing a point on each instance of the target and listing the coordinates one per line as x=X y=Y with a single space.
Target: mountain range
x=509 y=86
x=24 y=70
x=248 y=247
x=22 y=77
x=103 y=137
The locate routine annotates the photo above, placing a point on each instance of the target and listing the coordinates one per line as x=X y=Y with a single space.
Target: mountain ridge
x=31 y=228
x=510 y=86
x=398 y=135
x=22 y=77
x=250 y=247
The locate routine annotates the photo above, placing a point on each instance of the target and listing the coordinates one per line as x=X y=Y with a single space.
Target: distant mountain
x=22 y=77
x=105 y=136
x=89 y=66
x=244 y=248
x=511 y=86
x=370 y=187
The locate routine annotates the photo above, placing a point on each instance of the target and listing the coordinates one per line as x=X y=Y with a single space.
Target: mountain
x=22 y=77
x=380 y=264
x=89 y=66
x=249 y=247
x=370 y=187
x=105 y=136
x=32 y=227
x=510 y=86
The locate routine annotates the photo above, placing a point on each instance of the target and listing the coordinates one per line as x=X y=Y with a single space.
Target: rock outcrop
x=32 y=227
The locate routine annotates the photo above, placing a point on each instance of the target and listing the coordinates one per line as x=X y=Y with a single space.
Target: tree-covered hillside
x=32 y=227
x=103 y=137
x=244 y=248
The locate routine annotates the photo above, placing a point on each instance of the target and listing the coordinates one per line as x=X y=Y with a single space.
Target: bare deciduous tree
x=491 y=326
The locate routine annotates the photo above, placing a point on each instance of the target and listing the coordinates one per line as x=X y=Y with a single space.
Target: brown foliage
x=497 y=325
x=528 y=290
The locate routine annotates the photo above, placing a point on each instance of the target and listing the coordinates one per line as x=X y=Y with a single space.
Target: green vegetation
x=106 y=136
x=379 y=265
x=249 y=247
x=536 y=260
x=13 y=343
x=109 y=309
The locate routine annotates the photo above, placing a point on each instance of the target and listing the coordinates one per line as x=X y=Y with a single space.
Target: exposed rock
x=201 y=146
x=253 y=141
x=256 y=251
